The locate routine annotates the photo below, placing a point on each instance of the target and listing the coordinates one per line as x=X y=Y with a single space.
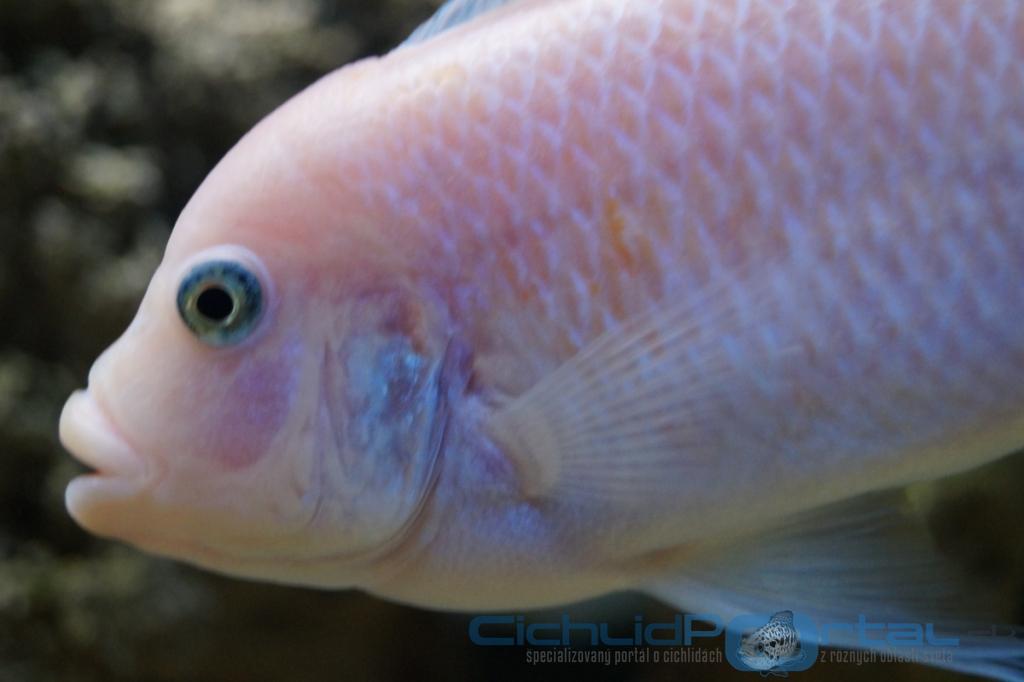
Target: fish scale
x=700 y=221
x=743 y=153
x=820 y=140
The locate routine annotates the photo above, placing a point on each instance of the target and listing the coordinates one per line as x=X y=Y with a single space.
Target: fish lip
x=96 y=500
x=88 y=433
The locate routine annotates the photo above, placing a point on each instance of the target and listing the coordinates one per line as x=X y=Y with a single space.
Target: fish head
x=755 y=652
x=275 y=408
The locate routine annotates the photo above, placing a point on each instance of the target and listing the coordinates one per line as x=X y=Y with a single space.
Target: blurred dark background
x=111 y=113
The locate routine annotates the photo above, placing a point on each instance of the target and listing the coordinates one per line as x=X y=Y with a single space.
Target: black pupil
x=215 y=304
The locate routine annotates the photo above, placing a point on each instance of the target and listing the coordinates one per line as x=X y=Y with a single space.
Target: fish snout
x=119 y=473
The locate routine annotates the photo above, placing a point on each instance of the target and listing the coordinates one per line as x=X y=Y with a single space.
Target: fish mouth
x=118 y=471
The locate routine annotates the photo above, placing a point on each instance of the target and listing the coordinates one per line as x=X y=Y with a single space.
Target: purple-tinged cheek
x=255 y=407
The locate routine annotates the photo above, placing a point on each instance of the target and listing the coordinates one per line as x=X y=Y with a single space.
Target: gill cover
x=385 y=392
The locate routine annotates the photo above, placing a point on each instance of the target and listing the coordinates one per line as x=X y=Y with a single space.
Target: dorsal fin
x=451 y=14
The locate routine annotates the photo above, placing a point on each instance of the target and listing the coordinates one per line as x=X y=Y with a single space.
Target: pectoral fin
x=645 y=405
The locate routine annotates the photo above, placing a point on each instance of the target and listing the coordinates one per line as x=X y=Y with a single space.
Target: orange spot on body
x=616 y=226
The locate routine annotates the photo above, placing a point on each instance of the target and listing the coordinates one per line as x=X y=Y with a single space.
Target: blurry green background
x=111 y=113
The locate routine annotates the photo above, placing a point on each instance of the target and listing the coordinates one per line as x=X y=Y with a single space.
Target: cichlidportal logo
x=766 y=643
x=772 y=648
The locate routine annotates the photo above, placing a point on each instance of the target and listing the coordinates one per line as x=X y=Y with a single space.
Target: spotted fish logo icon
x=772 y=648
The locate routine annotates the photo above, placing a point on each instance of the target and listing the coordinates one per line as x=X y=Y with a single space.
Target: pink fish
x=574 y=296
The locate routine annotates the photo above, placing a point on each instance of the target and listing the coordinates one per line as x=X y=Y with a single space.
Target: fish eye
x=220 y=302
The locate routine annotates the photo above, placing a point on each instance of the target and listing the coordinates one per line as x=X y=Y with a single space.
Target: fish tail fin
x=868 y=575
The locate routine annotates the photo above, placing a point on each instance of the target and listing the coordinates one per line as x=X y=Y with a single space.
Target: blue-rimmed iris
x=221 y=302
